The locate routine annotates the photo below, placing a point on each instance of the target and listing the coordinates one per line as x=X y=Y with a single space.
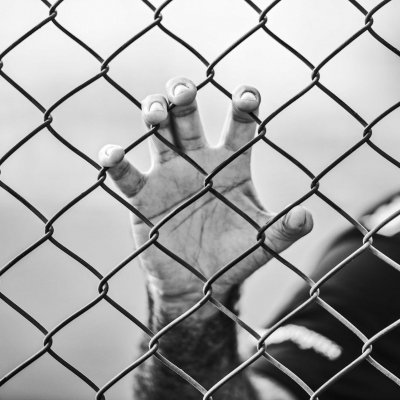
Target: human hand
x=207 y=234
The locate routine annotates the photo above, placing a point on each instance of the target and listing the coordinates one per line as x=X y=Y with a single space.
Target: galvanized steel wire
x=366 y=139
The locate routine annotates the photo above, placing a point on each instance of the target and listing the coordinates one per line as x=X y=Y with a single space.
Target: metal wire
x=366 y=237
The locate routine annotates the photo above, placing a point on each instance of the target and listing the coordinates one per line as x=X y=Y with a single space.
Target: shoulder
x=380 y=212
x=315 y=345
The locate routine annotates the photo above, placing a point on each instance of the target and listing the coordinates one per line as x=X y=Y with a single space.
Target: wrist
x=204 y=346
x=174 y=305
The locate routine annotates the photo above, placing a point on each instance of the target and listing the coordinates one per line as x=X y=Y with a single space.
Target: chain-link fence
x=315 y=178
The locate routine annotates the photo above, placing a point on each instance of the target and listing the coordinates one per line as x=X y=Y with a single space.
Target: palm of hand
x=207 y=234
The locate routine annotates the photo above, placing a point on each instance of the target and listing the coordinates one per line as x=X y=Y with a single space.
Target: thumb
x=297 y=223
x=127 y=178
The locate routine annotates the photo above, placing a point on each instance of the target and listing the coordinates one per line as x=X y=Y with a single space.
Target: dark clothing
x=315 y=345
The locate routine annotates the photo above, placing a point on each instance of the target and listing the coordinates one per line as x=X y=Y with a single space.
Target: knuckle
x=180 y=112
x=242 y=118
x=240 y=115
x=121 y=171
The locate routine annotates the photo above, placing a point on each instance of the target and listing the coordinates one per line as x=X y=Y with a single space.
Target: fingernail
x=180 y=88
x=156 y=106
x=249 y=96
x=111 y=155
x=109 y=148
x=296 y=218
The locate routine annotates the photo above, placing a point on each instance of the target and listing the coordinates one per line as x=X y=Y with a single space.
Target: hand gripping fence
x=261 y=24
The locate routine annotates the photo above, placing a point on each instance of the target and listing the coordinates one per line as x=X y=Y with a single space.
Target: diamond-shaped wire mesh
x=211 y=79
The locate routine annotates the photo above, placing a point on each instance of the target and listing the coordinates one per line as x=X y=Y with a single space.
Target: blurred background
x=51 y=286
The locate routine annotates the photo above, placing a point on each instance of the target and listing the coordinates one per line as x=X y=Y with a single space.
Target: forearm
x=203 y=345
